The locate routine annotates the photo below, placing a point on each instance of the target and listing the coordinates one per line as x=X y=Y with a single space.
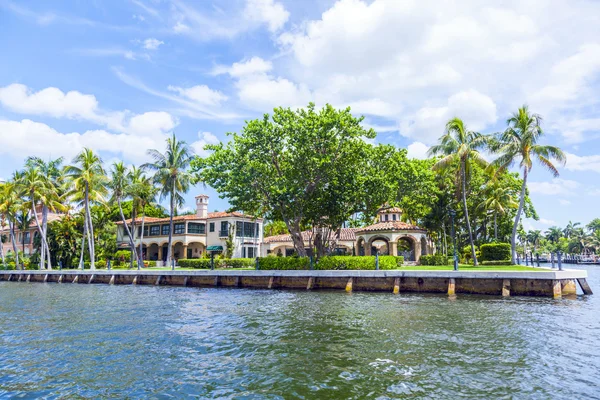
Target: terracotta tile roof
x=390 y=210
x=390 y=226
x=193 y=217
x=346 y=234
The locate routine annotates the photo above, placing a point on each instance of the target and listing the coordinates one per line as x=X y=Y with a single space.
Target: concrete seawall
x=543 y=283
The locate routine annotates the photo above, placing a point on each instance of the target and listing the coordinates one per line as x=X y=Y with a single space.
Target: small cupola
x=386 y=214
x=202 y=206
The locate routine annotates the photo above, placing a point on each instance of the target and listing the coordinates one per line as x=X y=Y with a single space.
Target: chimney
x=202 y=206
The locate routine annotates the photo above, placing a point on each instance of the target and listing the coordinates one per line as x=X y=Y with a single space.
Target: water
x=100 y=341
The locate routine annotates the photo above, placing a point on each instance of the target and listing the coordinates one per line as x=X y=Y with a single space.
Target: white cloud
x=427 y=124
x=262 y=92
x=583 y=163
x=204 y=138
x=564 y=202
x=28 y=138
x=255 y=65
x=417 y=150
x=201 y=94
x=556 y=186
x=152 y=43
x=269 y=12
x=547 y=221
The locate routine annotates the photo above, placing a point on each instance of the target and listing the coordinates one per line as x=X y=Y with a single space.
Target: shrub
x=10 y=265
x=435 y=259
x=356 y=263
x=101 y=264
x=200 y=263
x=238 y=263
x=123 y=256
x=497 y=262
x=149 y=263
x=495 y=252
x=284 y=263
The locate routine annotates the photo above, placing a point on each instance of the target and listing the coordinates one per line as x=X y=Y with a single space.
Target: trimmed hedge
x=204 y=263
x=495 y=252
x=434 y=259
x=362 y=262
x=497 y=262
x=284 y=263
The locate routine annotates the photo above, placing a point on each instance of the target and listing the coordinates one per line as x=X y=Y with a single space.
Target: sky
x=121 y=76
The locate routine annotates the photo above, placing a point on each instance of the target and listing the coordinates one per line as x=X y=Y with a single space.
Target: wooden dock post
x=60 y=278
x=45 y=278
x=584 y=286
x=91 y=279
x=20 y=276
x=185 y=281
x=76 y=279
x=217 y=280
x=270 y=283
x=134 y=281
x=396 y=285
x=451 y=287
x=158 y=280
x=349 y=285
x=506 y=288
x=556 y=289
x=309 y=284
x=9 y=277
x=28 y=278
x=112 y=280
x=237 y=282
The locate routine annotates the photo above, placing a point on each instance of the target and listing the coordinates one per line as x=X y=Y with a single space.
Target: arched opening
x=406 y=248
x=360 y=244
x=423 y=246
x=195 y=250
x=178 y=251
x=152 y=252
x=380 y=245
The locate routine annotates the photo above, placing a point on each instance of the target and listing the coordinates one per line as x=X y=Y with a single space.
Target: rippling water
x=100 y=341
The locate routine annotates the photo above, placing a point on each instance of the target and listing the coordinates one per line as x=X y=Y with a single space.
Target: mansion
x=194 y=235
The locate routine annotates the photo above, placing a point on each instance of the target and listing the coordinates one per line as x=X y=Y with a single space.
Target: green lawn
x=466 y=267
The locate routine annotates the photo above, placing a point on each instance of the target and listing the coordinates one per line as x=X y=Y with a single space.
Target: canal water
x=100 y=341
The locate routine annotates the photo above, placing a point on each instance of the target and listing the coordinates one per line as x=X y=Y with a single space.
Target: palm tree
x=553 y=234
x=519 y=142
x=37 y=188
x=135 y=176
x=9 y=208
x=144 y=193
x=497 y=200
x=51 y=173
x=172 y=176
x=534 y=238
x=121 y=188
x=570 y=229
x=594 y=225
x=460 y=146
x=88 y=180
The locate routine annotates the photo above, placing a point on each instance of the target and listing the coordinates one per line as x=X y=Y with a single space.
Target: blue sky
x=119 y=76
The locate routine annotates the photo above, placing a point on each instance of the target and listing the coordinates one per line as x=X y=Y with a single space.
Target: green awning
x=214 y=248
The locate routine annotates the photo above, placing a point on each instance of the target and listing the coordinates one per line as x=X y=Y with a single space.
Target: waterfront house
x=25 y=238
x=195 y=234
x=388 y=236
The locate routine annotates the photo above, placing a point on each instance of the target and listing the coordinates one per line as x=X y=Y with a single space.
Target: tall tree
x=553 y=234
x=51 y=199
x=459 y=147
x=171 y=174
x=121 y=189
x=570 y=229
x=89 y=184
x=498 y=200
x=519 y=142
x=9 y=207
x=534 y=238
x=594 y=225
x=144 y=193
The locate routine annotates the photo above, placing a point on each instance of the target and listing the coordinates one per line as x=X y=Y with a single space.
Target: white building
x=194 y=234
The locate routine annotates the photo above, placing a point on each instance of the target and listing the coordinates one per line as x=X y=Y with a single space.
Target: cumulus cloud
x=269 y=12
x=204 y=138
x=583 y=163
x=152 y=43
x=417 y=150
x=556 y=186
x=254 y=65
x=201 y=94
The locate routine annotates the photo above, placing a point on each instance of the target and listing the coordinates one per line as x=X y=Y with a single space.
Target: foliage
x=302 y=167
x=495 y=251
x=497 y=262
x=284 y=263
x=362 y=262
x=434 y=259
x=204 y=263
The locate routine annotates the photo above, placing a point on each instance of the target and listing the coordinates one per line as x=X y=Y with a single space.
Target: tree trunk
x=445 y=239
x=45 y=229
x=496 y=225
x=296 y=235
x=40 y=230
x=83 y=242
x=172 y=204
x=11 y=227
x=2 y=247
x=513 y=239
x=464 y=199
x=142 y=239
x=129 y=235
x=90 y=228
